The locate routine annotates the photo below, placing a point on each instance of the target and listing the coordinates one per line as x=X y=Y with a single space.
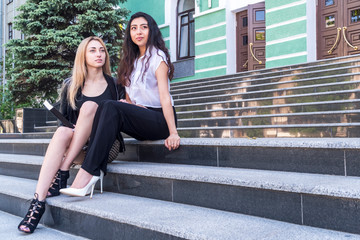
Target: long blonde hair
x=79 y=72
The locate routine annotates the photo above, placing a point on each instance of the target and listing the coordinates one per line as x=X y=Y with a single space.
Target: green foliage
x=53 y=30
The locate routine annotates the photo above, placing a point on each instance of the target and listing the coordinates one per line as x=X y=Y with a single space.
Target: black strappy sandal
x=33 y=216
x=60 y=181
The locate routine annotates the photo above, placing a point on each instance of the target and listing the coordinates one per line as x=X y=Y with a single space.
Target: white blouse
x=144 y=90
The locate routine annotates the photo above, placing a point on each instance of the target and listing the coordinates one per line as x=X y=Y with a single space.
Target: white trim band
x=166 y=39
x=210 y=27
x=210 y=54
x=286 y=22
x=210 y=41
x=164 y=25
x=286 y=56
x=208 y=12
x=282 y=40
x=286 y=6
x=210 y=69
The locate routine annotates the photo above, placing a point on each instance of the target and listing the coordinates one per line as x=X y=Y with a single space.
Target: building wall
x=210 y=39
x=286 y=32
x=8 y=13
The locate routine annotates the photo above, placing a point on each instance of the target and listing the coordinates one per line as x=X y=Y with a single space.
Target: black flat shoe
x=33 y=216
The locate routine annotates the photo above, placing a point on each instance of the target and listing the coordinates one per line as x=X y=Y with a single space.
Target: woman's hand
x=126 y=101
x=172 y=142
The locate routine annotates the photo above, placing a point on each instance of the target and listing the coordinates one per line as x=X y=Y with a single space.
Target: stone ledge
x=328 y=143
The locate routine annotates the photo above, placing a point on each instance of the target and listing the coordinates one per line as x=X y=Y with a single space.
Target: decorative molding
x=299 y=54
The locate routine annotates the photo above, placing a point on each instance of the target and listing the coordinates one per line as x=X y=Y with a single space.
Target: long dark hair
x=130 y=51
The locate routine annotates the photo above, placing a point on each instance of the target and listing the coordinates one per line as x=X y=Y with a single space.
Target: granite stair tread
x=178 y=220
x=307 y=183
x=281 y=70
x=332 y=143
x=310 y=87
x=8 y=230
x=248 y=84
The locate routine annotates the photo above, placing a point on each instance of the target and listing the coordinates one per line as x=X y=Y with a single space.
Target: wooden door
x=242 y=41
x=336 y=19
x=250 y=38
x=352 y=27
x=256 y=39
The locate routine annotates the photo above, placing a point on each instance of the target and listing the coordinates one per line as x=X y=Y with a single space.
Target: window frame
x=179 y=26
x=10 y=31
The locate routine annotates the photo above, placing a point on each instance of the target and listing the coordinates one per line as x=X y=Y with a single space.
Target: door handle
x=336 y=41
x=354 y=47
x=245 y=64
x=250 y=46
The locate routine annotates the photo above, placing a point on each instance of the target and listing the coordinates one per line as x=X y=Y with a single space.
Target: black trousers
x=113 y=117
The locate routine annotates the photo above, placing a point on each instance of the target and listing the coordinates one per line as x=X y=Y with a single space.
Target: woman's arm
x=173 y=141
x=64 y=105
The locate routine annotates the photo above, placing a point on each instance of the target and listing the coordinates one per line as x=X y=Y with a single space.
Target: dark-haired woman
x=146 y=114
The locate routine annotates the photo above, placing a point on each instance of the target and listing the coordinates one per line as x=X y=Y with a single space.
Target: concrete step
x=274 y=119
x=313 y=130
x=8 y=230
x=310 y=199
x=236 y=108
x=133 y=217
x=45 y=128
x=277 y=81
x=337 y=156
x=52 y=123
x=40 y=135
x=309 y=90
x=286 y=70
x=242 y=107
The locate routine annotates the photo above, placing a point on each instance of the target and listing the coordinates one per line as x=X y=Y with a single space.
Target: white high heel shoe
x=88 y=189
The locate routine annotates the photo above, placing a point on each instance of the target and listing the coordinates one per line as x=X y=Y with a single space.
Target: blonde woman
x=89 y=85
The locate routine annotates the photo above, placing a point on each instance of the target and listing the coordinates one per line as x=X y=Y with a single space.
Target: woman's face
x=139 y=31
x=95 y=54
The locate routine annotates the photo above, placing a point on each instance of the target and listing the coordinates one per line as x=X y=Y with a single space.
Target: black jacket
x=117 y=92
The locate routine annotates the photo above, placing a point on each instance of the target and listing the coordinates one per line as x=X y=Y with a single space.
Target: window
x=185 y=31
x=259 y=35
x=355 y=15
x=329 y=2
x=10 y=31
x=260 y=15
x=245 y=40
x=245 y=21
x=330 y=21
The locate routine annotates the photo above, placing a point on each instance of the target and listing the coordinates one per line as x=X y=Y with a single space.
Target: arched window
x=185 y=31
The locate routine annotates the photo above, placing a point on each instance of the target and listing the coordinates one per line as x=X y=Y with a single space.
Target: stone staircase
x=218 y=188
x=310 y=100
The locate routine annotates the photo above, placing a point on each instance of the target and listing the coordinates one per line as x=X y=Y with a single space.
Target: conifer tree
x=53 y=29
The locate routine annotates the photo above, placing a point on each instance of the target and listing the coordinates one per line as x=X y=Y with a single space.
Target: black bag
x=117 y=147
x=114 y=151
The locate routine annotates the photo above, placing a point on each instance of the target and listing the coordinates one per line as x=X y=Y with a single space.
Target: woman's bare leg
x=53 y=159
x=81 y=134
